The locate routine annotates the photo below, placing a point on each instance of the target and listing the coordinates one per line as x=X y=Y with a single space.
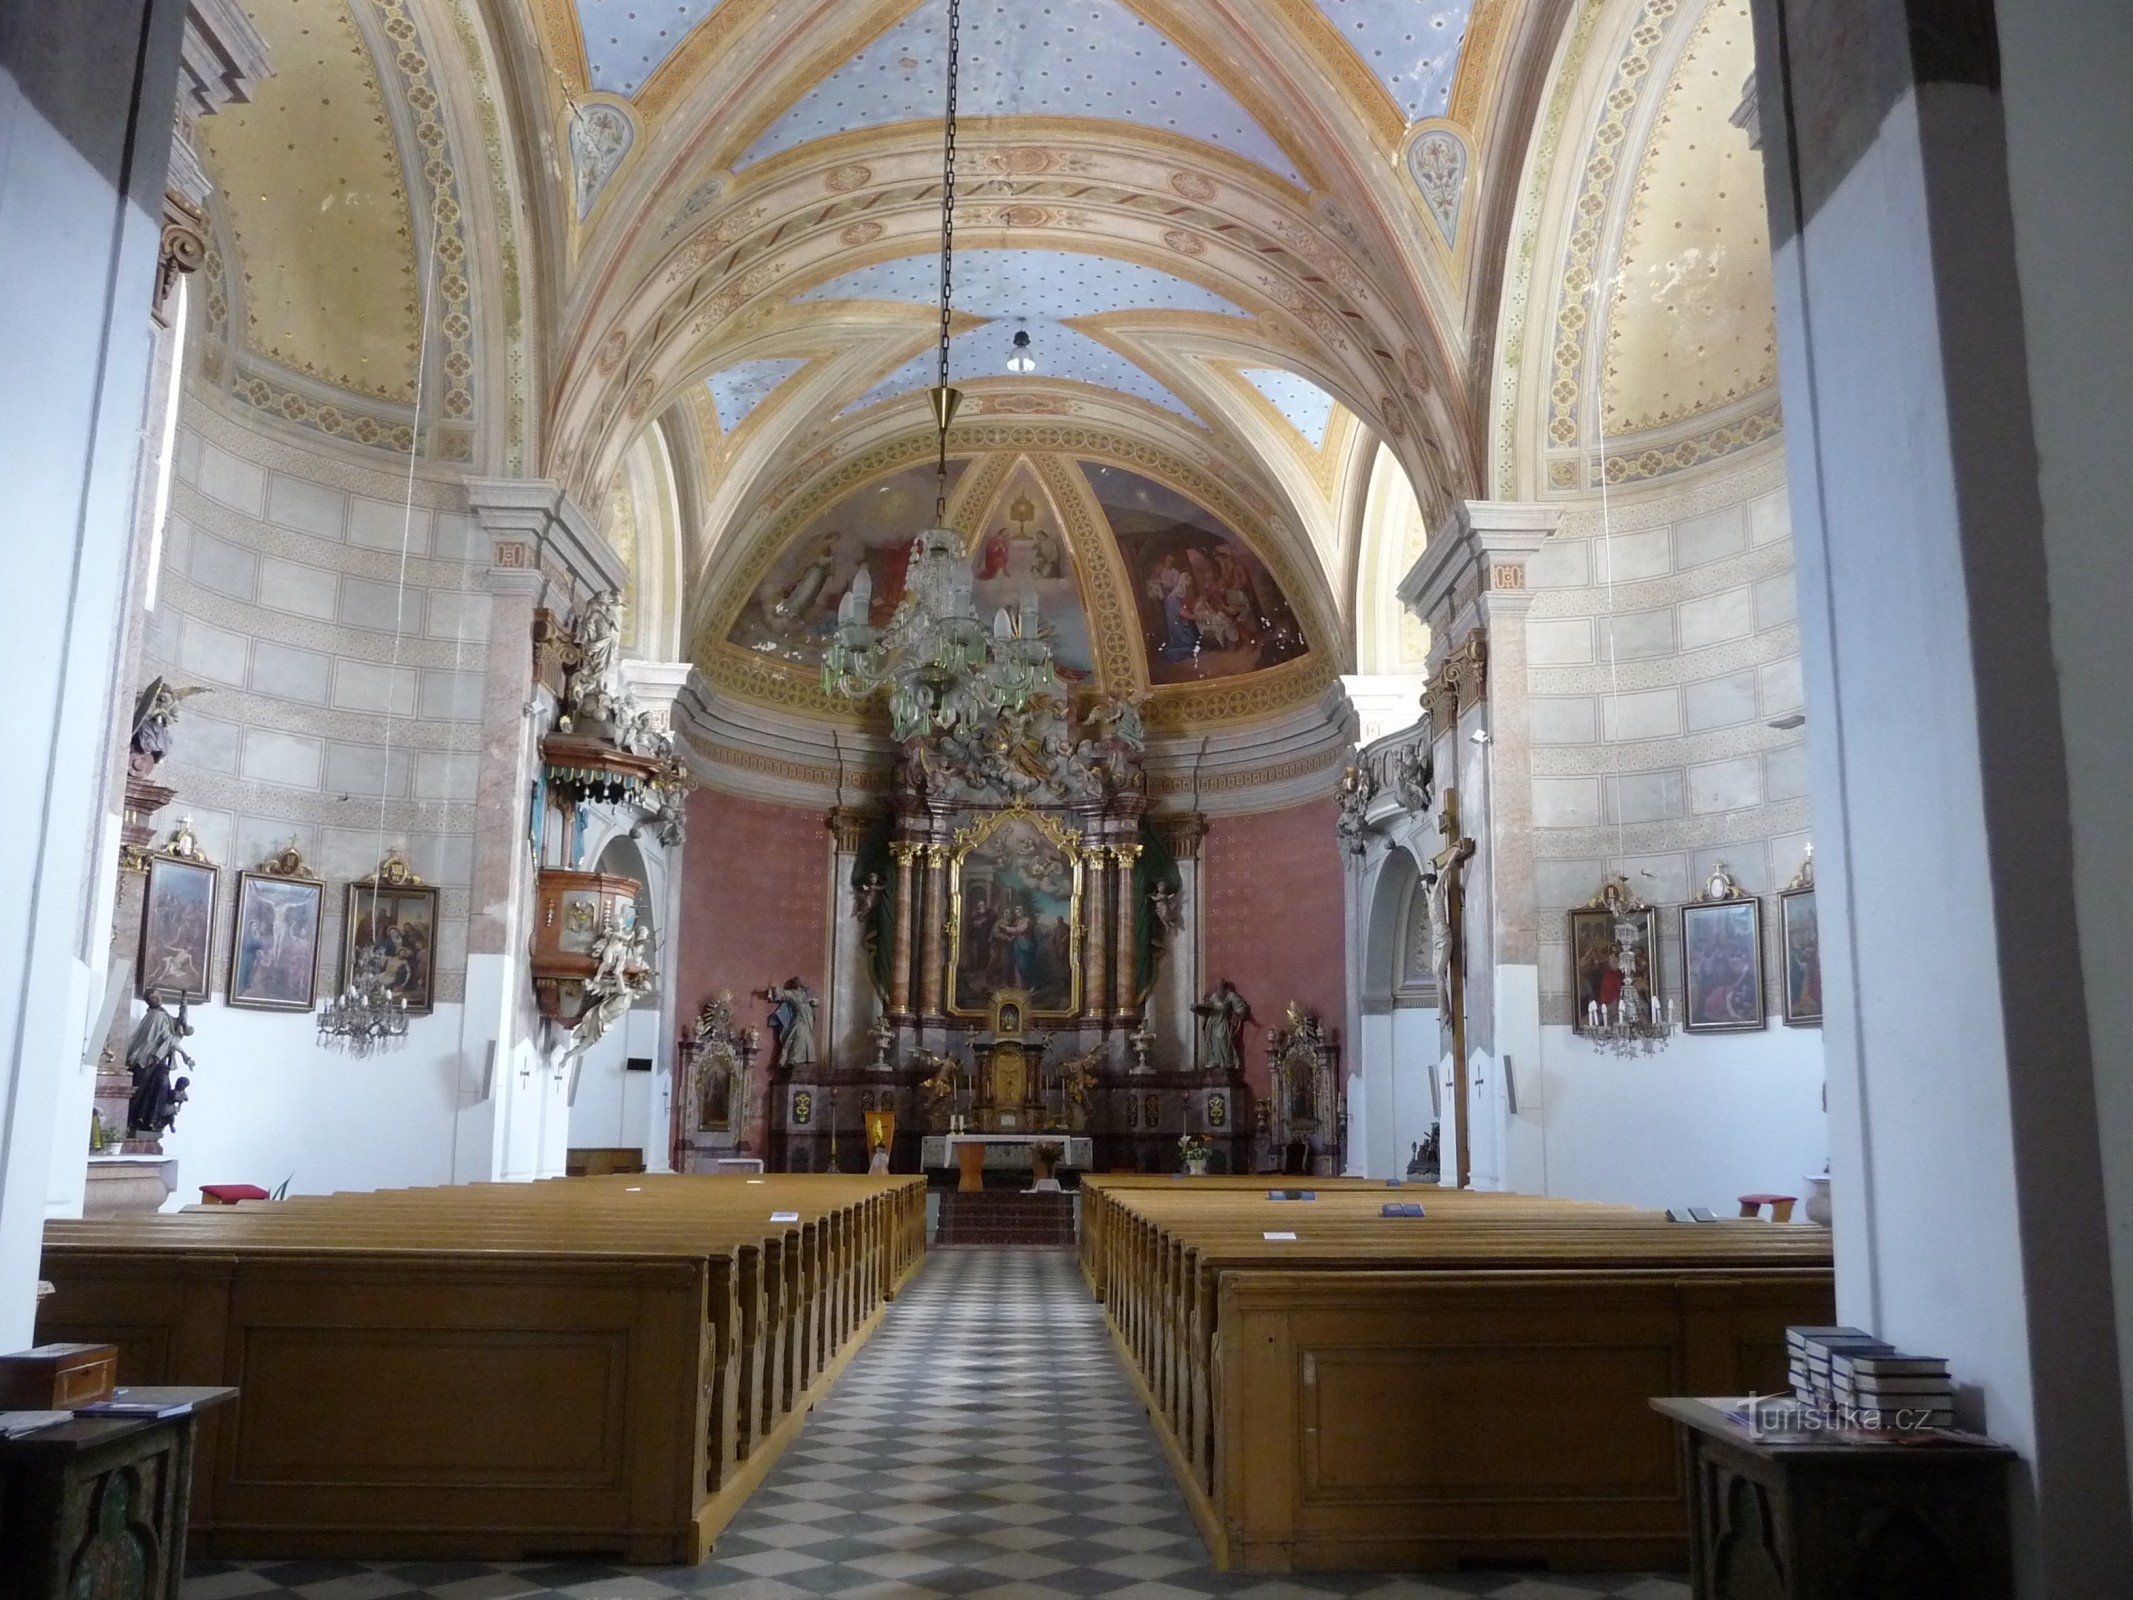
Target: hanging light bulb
x=1020 y=359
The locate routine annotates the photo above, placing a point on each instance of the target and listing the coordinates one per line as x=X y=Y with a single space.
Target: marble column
x=1096 y=929
x=545 y=555
x=1469 y=586
x=1125 y=982
x=1179 y=979
x=907 y=891
x=851 y=1003
x=933 y=941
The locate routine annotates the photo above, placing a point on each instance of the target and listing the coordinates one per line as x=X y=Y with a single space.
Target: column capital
x=657 y=686
x=1481 y=551
x=540 y=542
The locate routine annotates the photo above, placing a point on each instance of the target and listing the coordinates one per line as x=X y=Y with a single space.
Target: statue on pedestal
x=1222 y=1016
x=792 y=1018
x=151 y=1054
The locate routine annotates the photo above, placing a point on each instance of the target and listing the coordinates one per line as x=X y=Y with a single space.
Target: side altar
x=1027 y=937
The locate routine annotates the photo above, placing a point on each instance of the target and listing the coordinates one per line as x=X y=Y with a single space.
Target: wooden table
x=1831 y=1517
x=98 y=1505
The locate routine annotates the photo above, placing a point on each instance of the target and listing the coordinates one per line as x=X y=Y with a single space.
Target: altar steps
x=1006 y=1217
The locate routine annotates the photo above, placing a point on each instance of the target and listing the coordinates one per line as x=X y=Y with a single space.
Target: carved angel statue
x=154 y=710
x=1414 y=776
x=1077 y=1075
x=1168 y=908
x=1116 y=716
x=1357 y=790
x=623 y=975
x=866 y=896
x=942 y=1084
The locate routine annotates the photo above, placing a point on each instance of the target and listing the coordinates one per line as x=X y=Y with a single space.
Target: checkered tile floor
x=984 y=1446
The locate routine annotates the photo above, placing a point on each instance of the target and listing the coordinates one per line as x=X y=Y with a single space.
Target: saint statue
x=596 y=689
x=1222 y=1016
x=150 y=1056
x=792 y=1018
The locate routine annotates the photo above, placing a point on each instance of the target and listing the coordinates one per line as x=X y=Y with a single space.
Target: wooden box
x=57 y=1377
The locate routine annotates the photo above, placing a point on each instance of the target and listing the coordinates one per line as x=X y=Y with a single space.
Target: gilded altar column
x=933 y=943
x=1096 y=932
x=906 y=920
x=1125 y=950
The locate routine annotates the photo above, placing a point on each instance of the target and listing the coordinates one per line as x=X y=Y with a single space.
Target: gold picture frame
x=390 y=933
x=1011 y=937
x=274 y=936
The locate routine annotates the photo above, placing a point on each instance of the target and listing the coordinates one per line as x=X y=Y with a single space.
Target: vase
x=1196 y=1169
x=1818 y=1198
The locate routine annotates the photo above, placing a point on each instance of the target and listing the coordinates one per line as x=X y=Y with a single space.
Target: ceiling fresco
x=1073 y=58
x=1208 y=606
x=1253 y=242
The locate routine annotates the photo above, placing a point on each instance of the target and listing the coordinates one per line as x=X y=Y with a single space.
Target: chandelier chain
x=955 y=22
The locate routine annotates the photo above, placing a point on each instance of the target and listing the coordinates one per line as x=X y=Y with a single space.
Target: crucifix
x=1447 y=926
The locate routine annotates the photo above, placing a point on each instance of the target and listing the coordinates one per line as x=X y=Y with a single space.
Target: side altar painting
x=1016 y=914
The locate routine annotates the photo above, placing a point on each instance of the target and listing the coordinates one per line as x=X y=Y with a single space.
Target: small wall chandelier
x=1628 y=1016
x=363 y=1020
x=941 y=666
x=1021 y=358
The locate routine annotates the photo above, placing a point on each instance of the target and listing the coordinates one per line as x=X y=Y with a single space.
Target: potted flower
x=1194 y=1148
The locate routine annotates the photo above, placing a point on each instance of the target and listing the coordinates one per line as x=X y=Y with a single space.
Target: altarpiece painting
x=1015 y=914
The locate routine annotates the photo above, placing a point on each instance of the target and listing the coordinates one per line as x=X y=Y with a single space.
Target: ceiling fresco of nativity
x=680 y=257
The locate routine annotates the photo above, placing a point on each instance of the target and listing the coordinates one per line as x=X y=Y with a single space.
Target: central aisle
x=985 y=1444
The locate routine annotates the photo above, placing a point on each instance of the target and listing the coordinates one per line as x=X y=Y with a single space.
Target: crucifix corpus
x=1447 y=933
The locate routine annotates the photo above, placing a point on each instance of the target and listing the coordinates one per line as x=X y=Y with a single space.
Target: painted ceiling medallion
x=601 y=134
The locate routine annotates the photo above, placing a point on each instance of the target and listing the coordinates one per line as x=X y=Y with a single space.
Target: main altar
x=1016 y=940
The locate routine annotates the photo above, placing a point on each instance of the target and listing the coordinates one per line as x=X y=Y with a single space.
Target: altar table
x=1005 y=1152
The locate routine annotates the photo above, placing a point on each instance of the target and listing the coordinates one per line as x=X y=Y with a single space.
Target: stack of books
x=1872 y=1382
x=1891 y=1389
x=1811 y=1359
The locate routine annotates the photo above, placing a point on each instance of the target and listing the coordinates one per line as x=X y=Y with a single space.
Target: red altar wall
x=1277 y=919
x=754 y=884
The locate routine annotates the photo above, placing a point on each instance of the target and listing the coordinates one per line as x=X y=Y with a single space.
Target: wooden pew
x=592 y=1365
x=1468 y=1386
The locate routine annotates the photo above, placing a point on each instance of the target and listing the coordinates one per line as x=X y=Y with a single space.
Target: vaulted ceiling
x=1258 y=245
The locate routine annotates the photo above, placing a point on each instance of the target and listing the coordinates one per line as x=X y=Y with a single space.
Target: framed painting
x=392 y=935
x=177 y=928
x=274 y=941
x=1802 y=940
x=1014 y=915
x=1722 y=959
x=1614 y=953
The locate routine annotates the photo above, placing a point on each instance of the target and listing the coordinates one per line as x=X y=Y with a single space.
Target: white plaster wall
x=2066 y=63
x=84 y=98
x=1650 y=704
x=280 y=592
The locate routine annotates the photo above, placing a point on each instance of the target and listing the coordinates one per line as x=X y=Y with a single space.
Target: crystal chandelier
x=363 y=1020
x=1637 y=1020
x=941 y=666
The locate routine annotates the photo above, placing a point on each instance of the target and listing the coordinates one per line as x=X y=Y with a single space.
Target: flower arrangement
x=1194 y=1148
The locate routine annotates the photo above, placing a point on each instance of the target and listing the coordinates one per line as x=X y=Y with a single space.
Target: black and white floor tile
x=985 y=1445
